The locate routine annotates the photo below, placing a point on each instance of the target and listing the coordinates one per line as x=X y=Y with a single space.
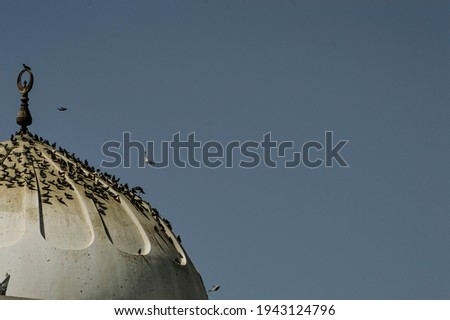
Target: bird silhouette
x=138 y=189
x=62 y=108
x=68 y=195
x=60 y=199
x=149 y=161
x=26 y=67
x=214 y=288
x=4 y=284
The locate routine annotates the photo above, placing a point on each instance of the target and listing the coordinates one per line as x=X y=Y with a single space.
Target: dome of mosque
x=68 y=231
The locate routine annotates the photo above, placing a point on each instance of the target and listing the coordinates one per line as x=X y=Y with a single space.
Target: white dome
x=69 y=232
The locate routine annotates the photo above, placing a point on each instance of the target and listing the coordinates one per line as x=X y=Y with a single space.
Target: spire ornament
x=24 y=118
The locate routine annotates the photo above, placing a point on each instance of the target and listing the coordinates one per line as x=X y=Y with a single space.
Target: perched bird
x=62 y=108
x=4 y=284
x=214 y=288
x=68 y=195
x=138 y=189
x=155 y=212
x=26 y=67
x=60 y=199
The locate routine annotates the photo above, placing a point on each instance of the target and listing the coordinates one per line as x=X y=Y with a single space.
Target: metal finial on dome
x=24 y=118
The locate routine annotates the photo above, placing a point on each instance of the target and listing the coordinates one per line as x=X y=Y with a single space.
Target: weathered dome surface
x=70 y=232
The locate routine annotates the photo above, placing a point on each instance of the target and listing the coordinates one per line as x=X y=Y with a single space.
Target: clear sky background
x=376 y=73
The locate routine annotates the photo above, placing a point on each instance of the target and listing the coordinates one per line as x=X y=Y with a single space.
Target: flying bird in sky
x=214 y=288
x=149 y=161
x=62 y=108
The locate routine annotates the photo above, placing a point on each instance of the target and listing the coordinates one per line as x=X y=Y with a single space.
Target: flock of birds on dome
x=25 y=164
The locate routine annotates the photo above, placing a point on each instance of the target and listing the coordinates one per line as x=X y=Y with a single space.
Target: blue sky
x=376 y=73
